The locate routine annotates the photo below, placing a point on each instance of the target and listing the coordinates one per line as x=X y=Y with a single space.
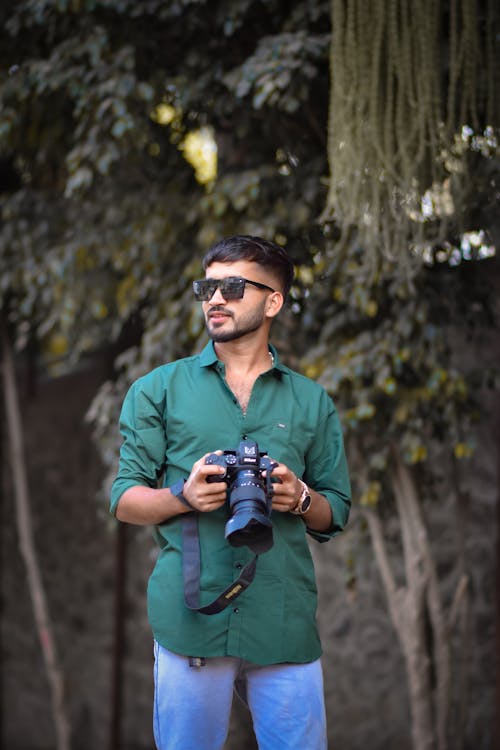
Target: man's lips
x=218 y=315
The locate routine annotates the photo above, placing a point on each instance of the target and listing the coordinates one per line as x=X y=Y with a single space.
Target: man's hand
x=287 y=489
x=148 y=505
x=202 y=495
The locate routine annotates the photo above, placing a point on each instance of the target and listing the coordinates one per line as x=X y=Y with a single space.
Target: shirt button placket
x=236 y=616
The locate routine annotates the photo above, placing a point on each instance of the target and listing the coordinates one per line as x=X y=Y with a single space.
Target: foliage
x=395 y=368
x=106 y=211
x=103 y=219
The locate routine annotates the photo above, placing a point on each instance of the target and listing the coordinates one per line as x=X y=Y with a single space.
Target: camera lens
x=250 y=523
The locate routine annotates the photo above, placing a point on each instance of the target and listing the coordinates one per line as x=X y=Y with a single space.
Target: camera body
x=249 y=495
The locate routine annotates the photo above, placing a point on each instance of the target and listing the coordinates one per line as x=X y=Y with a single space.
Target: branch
x=380 y=550
x=460 y=592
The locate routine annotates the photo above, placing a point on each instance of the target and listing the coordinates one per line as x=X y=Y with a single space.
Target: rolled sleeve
x=327 y=472
x=142 y=454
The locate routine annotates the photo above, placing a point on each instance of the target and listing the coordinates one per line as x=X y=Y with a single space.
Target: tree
x=104 y=219
x=401 y=148
x=409 y=410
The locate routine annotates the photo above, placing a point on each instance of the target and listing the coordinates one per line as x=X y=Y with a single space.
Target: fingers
x=286 y=489
x=205 y=495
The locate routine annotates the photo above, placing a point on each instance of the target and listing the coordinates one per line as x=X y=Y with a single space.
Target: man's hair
x=245 y=247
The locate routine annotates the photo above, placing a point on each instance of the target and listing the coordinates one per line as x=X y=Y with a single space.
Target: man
x=265 y=644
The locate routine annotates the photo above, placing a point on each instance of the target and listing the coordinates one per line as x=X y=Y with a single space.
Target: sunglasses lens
x=230 y=288
x=204 y=289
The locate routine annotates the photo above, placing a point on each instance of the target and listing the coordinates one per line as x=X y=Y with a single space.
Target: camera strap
x=191 y=569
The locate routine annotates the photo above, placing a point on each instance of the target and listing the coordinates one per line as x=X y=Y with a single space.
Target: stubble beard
x=246 y=325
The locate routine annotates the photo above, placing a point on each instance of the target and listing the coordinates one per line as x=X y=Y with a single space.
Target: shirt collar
x=208 y=357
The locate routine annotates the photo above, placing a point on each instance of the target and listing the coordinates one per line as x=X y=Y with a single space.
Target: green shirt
x=173 y=416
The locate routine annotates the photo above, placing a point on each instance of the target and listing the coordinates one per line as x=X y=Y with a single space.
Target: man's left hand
x=287 y=489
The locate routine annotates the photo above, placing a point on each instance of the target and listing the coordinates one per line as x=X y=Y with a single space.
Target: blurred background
x=364 y=138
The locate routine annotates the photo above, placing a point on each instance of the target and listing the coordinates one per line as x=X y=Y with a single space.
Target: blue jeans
x=192 y=705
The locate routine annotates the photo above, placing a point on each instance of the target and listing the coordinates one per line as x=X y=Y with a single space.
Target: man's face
x=228 y=320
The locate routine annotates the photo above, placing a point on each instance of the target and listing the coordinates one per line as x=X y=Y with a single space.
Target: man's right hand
x=205 y=496
x=146 y=505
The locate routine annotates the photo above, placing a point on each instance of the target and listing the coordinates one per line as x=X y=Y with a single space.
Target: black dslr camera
x=250 y=495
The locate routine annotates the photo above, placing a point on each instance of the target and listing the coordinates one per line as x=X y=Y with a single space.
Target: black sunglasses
x=232 y=287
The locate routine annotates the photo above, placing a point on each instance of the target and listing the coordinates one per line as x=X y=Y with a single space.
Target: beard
x=241 y=327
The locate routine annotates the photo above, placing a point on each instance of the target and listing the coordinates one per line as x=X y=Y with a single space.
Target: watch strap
x=304 y=502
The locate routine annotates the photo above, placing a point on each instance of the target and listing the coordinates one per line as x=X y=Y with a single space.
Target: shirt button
x=236 y=610
x=238 y=566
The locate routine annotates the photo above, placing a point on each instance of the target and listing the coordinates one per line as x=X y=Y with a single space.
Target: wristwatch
x=304 y=502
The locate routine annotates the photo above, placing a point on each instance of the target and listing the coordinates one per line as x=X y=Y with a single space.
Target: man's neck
x=243 y=356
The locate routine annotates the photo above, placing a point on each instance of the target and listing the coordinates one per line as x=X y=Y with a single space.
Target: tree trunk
x=412 y=624
x=418 y=544
x=415 y=607
x=27 y=548
x=407 y=611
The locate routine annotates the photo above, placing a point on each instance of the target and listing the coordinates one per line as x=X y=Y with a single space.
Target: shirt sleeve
x=143 y=450
x=327 y=471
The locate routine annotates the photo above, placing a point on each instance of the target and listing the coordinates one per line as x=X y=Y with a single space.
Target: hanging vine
x=406 y=77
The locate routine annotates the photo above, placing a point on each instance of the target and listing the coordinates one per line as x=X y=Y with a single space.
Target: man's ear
x=274 y=304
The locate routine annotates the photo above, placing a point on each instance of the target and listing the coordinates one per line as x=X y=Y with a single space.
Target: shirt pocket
x=288 y=444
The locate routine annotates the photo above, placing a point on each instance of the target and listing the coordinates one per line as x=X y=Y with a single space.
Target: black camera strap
x=191 y=568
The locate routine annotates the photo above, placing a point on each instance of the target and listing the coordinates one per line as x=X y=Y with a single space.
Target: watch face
x=306 y=502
